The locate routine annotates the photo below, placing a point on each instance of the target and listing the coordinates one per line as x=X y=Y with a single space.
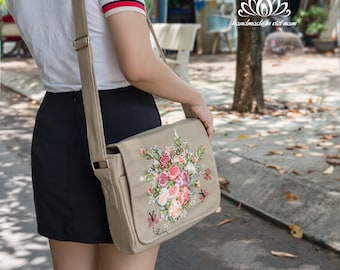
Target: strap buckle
x=81 y=42
x=102 y=164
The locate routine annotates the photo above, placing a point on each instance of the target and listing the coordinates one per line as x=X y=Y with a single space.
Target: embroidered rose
x=175 y=209
x=164 y=160
x=183 y=179
x=183 y=197
x=173 y=191
x=163 y=197
x=173 y=172
x=163 y=179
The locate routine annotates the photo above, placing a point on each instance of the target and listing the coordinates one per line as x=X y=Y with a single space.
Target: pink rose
x=142 y=151
x=183 y=179
x=175 y=209
x=164 y=160
x=174 y=172
x=183 y=198
x=162 y=198
x=173 y=191
x=186 y=189
x=163 y=179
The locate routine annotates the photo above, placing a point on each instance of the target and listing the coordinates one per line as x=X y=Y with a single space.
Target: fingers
x=209 y=128
x=210 y=132
x=205 y=116
x=207 y=121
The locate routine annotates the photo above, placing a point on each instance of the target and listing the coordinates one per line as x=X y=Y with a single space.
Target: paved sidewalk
x=279 y=163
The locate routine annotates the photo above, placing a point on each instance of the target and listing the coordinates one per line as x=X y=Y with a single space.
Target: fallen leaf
x=328 y=137
x=220 y=113
x=289 y=196
x=310 y=101
x=276 y=167
x=224 y=183
x=273 y=131
x=243 y=137
x=278 y=113
x=333 y=162
x=296 y=172
x=311 y=171
x=282 y=254
x=300 y=146
x=333 y=156
x=329 y=170
x=224 y=221
x=166 y=108
x=296 y=231
x=274 y=153
x=251 y=145
x=296 y=111
x=299 y=155
x=312 y=110
x=218 y=210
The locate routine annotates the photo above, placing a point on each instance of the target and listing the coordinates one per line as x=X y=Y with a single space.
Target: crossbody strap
x=94 y=123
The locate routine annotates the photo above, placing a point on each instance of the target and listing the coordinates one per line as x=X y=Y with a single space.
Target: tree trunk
x=248 y=92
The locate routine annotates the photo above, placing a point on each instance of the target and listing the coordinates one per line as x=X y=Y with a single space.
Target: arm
x=143 y=69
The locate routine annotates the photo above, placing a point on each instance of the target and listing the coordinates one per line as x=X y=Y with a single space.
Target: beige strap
x=94 y=122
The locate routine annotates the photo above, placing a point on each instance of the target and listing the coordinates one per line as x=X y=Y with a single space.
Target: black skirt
x=68 y=198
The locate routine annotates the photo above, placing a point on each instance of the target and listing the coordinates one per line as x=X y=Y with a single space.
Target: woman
x=69 y=202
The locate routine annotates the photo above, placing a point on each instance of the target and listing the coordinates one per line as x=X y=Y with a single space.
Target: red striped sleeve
x=114 y=6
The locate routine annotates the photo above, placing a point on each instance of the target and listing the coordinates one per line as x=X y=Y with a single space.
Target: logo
x=264 y=8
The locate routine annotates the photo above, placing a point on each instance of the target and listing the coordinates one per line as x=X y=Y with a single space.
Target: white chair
x=180 y=38
x=220 y=25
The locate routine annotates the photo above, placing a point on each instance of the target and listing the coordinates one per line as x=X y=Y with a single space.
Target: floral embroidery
x=153 y=220
x=174 y=174
x=207 y=174
x=203 y=194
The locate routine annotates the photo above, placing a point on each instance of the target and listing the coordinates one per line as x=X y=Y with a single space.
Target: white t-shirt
x=48 y=30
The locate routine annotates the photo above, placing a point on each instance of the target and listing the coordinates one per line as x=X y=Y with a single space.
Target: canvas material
x=127 y=201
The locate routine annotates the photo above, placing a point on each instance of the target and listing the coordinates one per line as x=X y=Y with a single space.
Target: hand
x=203 y=113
